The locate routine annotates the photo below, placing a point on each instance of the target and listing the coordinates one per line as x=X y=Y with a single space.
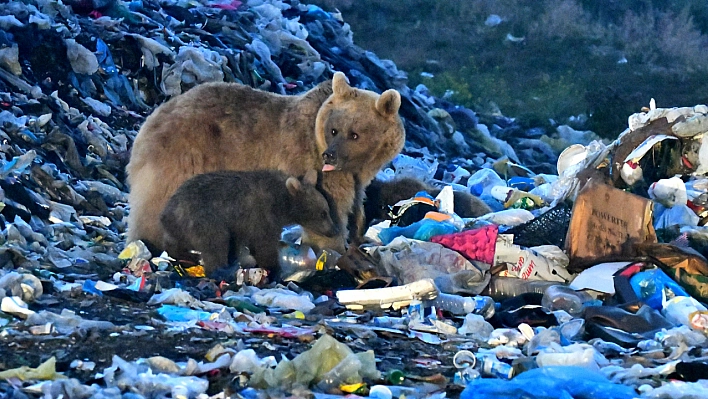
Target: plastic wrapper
x=45 y=371
x=422 y=169
x=507 y=217
x=546 y=262
x=476 y=326
x=284 y=299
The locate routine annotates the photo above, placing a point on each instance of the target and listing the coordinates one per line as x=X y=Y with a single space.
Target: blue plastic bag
x=650 y=284
x=422 y=230
x=566 y=382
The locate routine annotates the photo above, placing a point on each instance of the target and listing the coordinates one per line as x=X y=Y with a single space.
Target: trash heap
x=589 y=278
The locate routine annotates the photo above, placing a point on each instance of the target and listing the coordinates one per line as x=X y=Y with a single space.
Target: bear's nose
x=329 y=157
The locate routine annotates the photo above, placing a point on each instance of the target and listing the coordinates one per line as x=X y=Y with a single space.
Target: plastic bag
x=669 y=192
x=652 y=285
x=686 y=311
x=413 y=260
x=550 y=382
x=678 y=215
x=422 y=169
x=422 y=230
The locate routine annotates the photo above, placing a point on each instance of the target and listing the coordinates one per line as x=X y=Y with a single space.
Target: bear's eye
x=334 y=132
x=354 y=136
x=324 y=214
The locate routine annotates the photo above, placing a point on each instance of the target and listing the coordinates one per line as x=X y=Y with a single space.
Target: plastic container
x=500 y=288
x=461 y=305
x=561 y=297
x=390 y=296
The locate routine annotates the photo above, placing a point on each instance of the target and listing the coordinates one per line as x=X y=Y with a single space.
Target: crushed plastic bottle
x=500 y=288
x=460 y=305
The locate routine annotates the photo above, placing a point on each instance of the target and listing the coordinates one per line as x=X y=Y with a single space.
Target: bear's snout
x=330 y=160
x=333 y=231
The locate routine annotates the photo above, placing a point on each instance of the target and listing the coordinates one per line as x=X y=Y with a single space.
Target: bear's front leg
x=214 y=247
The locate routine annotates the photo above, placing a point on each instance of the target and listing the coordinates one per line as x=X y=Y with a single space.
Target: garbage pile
x=589 y=277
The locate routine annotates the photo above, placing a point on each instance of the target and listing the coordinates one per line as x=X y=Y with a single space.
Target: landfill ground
x=584 y=276
x=140 y=334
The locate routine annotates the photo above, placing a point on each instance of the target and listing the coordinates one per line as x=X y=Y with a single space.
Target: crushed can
x=415 y=311
x=493 y=367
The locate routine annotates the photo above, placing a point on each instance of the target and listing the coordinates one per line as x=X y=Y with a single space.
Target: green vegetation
x=546 y=59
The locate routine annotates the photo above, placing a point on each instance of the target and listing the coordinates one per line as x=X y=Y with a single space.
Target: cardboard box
x=606 y=224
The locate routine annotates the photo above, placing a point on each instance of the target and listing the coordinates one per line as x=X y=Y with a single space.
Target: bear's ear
x=388 y=103
x=340 y=85
x=293 y=185
x=310 y=177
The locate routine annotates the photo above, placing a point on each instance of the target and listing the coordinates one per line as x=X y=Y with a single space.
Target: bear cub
x=381 y=194
x=219 y=213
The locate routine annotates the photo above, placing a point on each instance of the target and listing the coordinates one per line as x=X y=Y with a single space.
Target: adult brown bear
x=347 y=132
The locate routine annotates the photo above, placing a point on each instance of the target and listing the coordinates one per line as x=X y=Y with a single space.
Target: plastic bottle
x=390 y=321
x=508 y=287
x=561 y=297
x=461 y=305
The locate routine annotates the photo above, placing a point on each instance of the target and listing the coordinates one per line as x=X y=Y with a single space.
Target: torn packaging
x=606 y=225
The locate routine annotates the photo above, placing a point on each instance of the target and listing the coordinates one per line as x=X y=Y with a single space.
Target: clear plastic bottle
x=561 y=297
x=461 y=305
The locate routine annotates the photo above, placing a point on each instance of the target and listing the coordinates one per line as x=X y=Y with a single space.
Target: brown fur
x=228 y=126
x=218 y=213
x=381 y=194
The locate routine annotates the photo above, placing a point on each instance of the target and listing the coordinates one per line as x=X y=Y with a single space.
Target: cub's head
x=312 y=208
x=358 y=130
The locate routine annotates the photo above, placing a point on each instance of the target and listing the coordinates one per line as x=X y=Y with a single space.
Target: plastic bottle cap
x=464 y=359
x=396 y=377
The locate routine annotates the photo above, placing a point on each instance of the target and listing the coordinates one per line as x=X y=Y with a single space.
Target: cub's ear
x=340 y=84
x=388 y=103
x=310 y=177
x=293 y=185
